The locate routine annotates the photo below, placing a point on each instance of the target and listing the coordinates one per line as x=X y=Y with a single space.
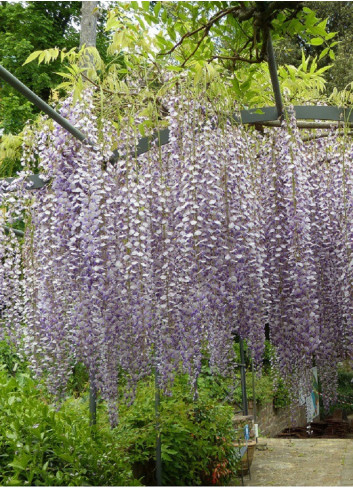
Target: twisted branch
x=262 y=14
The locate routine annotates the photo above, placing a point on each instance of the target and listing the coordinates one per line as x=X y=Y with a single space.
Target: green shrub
x=344 y=392
x=41 y=446
x=44 y=446
x=281 y=397
x=197 y=437
x=266 y=390
x=79 y=380
x=10 y=360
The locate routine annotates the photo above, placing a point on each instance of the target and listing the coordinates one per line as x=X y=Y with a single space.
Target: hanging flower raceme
x=82 y=282
x=330 y=222
x=290 y=263
x=155 y=261
x=11 y=312
x=13 y=200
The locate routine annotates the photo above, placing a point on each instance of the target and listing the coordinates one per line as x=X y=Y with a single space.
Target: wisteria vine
x=157 y=261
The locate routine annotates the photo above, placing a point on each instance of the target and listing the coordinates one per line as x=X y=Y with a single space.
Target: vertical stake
x=256 y=427
x=253 y=388
x=92 y=403
x=157 y=401
x=243 y=377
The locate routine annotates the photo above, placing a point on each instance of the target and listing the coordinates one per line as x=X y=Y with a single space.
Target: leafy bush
x=197 y=437
x=79 y=380
x=10 y=360
x=344 y=392
x=281 y=395
x=43 y=447
x=266 y=389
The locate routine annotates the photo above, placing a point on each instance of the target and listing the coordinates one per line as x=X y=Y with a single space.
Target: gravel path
x=307 y=462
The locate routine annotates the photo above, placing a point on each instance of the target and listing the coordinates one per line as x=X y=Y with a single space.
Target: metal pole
x=306 y=124
x=253 y=389
x=158 y=430
x=256 y=426
x=272 y=65
x=16 y=231
x=38 y=102
x=92 y=404
x=243 y=377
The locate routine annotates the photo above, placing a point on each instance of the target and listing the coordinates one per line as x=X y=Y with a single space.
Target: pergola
x=308 y=117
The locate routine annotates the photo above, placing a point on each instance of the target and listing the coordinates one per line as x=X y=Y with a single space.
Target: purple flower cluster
x=157 y=261
x=11 y=312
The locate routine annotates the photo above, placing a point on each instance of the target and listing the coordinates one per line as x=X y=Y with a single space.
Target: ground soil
x=302 y=462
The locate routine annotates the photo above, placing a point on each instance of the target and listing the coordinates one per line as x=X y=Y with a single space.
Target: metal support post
x=272 y=65
x=158 y=430
x=92 y=404
x=256 y=426
x=253 y=389
x=243 y=377
x=16 y=231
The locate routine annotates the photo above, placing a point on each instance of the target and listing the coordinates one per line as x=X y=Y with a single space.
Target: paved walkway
x=308 y=462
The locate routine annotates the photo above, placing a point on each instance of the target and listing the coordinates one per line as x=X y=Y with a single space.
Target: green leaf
x=323 y=53
x=112 y=23
x=172 y=33
x=236 y=86
x=64 y=85
x=59 y=475
x=41 y=57
x=330 y=35
x=11 y=400
x=174 y=68
x=244 y=86
x=332 y=54
x=310 y=22
x=157 y=8
x=322 y=25
x=65 y=75
x=66 y=457
x=164 y=15
x=323 y=69
x=21 y=462
x=198 y=73
x=32 y=56
x=316 y=41
x=141 y=128
x=14 y=482
x=11 y=435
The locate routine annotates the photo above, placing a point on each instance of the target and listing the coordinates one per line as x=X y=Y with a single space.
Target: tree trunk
x=89 y=16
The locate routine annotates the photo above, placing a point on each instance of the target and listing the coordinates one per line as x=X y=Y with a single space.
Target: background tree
x=88 y=32
x=25 y=28
x=339 y=17
x=340 y=20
